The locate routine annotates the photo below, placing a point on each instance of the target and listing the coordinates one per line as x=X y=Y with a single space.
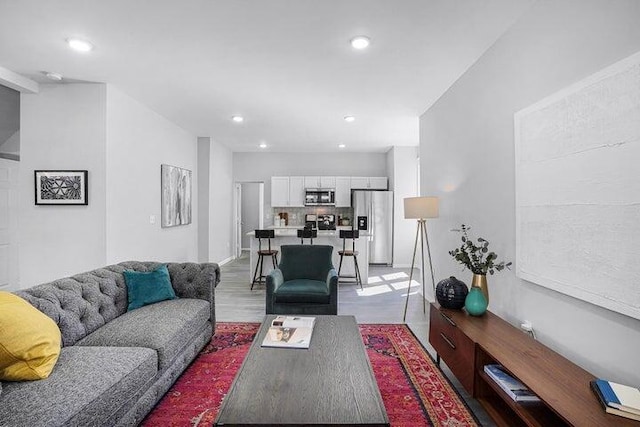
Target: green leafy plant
x=477 y=258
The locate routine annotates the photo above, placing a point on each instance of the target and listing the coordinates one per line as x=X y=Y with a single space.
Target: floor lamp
x=420 y=208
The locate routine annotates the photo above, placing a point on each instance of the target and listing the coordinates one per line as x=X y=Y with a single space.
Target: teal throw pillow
x=144 y=288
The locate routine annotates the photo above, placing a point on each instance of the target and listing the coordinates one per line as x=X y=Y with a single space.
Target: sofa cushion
x=29 y=340
x=166 y=327
x=87 y=384
x=79 y=304
x=303 y=291
x=147 y=287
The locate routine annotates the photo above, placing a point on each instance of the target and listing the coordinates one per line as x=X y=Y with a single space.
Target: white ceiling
x=285 y=65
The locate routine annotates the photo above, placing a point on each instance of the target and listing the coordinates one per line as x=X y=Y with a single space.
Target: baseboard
x=227 y=260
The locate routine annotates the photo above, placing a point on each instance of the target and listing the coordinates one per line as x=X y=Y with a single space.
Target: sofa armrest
x=192 y=280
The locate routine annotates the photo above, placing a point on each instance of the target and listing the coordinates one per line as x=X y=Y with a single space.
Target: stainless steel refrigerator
x=377 y=206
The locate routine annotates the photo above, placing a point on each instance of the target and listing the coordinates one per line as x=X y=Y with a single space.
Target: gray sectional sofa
x=114 y=365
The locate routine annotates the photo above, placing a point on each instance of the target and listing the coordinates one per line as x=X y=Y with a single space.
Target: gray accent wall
x=467 y=158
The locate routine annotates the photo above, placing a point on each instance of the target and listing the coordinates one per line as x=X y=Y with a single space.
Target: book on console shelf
x=289 y=332
x=514 y=388
x=617 y=399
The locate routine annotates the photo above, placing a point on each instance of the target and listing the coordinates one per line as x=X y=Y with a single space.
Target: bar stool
x=307 y=233
x=273 y=253
x=353 y=235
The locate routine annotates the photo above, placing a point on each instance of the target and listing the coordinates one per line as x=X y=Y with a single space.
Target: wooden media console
x=466 y=344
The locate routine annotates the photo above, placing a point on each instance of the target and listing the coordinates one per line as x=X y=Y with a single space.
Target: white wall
x=138 y=141
x=467 y=155
x=204 y=153
x=221 y=231
x=262 y=166
x=63 y=127
x=250 y=211
x=403 y=180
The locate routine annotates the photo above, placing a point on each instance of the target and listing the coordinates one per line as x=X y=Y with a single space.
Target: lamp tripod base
x=421 y=231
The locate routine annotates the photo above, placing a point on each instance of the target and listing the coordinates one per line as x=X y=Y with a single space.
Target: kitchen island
x=288 y=235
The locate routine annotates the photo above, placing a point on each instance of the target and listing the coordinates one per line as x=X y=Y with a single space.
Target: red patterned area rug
x=414 y=390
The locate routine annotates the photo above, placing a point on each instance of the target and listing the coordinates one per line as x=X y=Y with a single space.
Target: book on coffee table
x=289 y=332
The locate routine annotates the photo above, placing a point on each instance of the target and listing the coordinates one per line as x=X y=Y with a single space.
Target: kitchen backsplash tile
x=295 y=216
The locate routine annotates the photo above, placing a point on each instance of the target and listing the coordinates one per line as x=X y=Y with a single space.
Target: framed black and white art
x=59 y=187
x=176 y=196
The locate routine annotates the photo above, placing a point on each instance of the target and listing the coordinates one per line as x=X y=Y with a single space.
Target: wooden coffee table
x=330 y=383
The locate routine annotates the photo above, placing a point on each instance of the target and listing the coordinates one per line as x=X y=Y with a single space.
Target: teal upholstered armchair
x=305 y=281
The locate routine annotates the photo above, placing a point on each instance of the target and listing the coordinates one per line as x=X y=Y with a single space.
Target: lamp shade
x=420 y=207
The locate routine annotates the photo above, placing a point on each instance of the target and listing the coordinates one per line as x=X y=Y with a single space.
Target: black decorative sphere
x=451 y=293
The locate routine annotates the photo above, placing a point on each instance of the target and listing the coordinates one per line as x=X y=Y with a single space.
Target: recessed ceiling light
x=80 y=45
x=349 y=119
x=54 y=76
x=360 y=42
x=341 y=146
x=263 y=145
x=237 y=119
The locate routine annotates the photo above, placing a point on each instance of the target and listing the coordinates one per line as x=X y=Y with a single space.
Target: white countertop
x=298 y=227
x=291 y=231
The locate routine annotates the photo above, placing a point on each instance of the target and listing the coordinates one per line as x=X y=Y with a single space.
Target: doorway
x=249 y=213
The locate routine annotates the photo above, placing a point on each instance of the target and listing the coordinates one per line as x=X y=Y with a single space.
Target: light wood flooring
x=381 y=301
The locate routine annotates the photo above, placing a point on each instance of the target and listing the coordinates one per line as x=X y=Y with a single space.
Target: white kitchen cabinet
x=287 y=191
x=279 y=191
x=359 y=182
x=320 y=182
x=312 y=182
x=327 y=182
x=368 y=182
x=343 y=191
x=296 y=191
x=378 y=183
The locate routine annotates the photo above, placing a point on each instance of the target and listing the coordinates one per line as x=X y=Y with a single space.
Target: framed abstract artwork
x=176 y=196
x=578 y=192
x=60 y=187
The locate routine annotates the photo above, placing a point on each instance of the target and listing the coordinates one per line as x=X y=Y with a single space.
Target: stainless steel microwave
x=320 y=197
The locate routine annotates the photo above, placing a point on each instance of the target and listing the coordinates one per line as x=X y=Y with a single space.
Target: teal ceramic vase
x=475 y=303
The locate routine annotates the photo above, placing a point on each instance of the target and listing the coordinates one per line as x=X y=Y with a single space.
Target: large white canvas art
x=578 y=189
x=176 y=196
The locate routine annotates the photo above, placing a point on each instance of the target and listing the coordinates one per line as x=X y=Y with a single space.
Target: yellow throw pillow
x=29 y=340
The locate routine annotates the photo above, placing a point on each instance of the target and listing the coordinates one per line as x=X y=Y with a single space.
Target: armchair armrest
x=192 y=280
x=332 y=284
x=274 y=279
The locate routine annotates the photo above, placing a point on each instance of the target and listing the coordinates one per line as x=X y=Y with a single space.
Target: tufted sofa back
x=82 y=303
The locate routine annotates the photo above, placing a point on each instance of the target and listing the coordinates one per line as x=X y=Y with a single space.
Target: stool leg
x=256 y=271
x=261 y=273
x=358 y=278
x=274 y=260
x=340 y=267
